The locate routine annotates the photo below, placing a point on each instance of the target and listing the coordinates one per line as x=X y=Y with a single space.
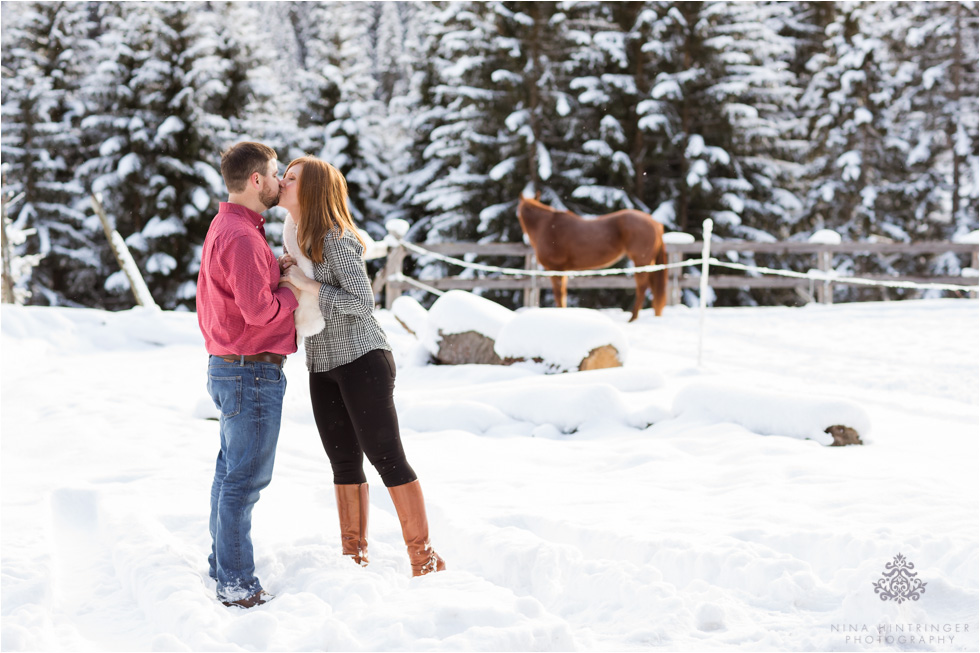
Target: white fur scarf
x=309 y=319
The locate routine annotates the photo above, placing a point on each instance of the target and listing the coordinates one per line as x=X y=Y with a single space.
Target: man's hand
x=285 y=284
x=286 y=261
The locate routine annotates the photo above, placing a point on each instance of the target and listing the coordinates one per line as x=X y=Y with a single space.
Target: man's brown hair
x=239 y=161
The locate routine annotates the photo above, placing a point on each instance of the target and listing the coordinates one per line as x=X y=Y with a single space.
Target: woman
x=352 y=372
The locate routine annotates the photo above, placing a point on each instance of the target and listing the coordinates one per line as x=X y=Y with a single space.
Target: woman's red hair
x=322 y=198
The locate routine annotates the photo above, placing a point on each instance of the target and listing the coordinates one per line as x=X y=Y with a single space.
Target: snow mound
x=563 y=337
x=459 y=311
x=410 y=313
x=86 y=329
x=771 y=413
x=590 y=402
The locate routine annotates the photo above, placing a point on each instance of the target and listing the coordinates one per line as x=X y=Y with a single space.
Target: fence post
x=396 y=259
x=825 y=291
x=532 y=293
x=705 y=256
x=974 y=264
x=674 y=274
x=674 y=279
x=8 y=280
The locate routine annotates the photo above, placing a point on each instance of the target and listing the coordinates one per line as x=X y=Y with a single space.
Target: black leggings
x=355 y=413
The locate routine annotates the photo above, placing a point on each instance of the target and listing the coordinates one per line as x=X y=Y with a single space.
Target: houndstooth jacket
x=347 y=304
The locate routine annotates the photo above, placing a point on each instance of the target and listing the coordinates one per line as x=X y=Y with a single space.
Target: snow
x=563 y=337
x=128 y=165
x=772 y=413
x=825 y=237
x=678 y=238
x=157 y=228
x=410 y=313
x=972 y=237
x=629 y=508
x=458 y=312
x=161 y=263
x=170 y=126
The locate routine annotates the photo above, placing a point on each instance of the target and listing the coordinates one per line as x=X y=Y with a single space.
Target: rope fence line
x=520 y=272
x=817 y=275
x=812 y=275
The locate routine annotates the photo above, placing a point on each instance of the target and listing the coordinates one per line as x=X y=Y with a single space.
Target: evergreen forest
x=774 y=119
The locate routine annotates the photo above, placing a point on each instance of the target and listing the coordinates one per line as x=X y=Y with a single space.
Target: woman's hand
x=294 y=275
x=286 y=261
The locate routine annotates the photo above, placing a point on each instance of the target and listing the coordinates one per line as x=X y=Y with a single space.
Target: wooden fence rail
x=394 y=282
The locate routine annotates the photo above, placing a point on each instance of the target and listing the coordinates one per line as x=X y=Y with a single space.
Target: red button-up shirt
x=240 y=307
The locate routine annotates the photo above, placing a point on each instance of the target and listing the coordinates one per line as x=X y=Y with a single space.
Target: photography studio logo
x=898 y=582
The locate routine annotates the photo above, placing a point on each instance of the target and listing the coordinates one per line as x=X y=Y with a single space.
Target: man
x=247 y=322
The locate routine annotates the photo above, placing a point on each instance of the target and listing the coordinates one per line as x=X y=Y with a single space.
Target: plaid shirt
x=347 y=304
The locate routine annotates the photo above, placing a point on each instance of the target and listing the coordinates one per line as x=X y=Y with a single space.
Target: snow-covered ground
x=585 y=511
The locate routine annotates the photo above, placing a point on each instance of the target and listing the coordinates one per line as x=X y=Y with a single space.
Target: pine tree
x=341 y=118
x=175 y=86
x=503 y=130
x=610 y=79
x=930 y=108
x=45 y=50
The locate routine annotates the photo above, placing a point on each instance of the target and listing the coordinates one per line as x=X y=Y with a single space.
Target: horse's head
x=532 y=213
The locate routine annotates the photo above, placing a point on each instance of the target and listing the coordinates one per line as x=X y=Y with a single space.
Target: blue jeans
x=249 y=397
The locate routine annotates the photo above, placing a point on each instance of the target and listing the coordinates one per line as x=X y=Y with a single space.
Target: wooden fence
x=394 y=282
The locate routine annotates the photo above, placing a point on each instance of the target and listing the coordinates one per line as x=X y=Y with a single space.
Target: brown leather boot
x=415 y=528
x=352 y=508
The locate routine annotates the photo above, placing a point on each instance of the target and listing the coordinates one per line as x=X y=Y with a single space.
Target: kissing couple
x=252 y=308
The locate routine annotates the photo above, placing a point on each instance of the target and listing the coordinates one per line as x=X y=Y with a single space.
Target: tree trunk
x=8 y=280
x=957 y=79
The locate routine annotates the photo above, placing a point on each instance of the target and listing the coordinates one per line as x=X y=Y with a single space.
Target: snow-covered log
x=827 y=420
x=563 y=339
x=462 y=327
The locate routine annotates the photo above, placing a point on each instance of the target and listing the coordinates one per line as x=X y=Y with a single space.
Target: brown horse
x=565 y=241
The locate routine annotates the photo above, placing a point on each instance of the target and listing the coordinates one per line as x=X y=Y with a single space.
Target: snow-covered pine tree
x=530 y=140
x=340 y=117
x=715 y=120
x=931 y=120
x=719 y=93
x=610 y=79
x=844 y=104
x=504 y=129
x=173 y=88
x=930 y=109
x=858 y=173
x=432 y=120
x=45 y=50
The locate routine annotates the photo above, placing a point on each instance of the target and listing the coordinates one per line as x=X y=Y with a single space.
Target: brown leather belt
x=264 y=357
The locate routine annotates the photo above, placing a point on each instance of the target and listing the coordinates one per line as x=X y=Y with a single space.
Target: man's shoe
x=258 y=598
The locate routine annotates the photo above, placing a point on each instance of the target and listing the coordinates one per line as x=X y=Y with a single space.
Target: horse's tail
x=658 y=280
